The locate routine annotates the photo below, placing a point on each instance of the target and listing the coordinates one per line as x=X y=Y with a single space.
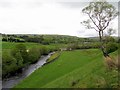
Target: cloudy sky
x=46 y=17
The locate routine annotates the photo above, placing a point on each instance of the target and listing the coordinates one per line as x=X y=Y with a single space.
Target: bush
x=44 y=50
x=51 y=49
x=17 y=55
x=14 y=60
x=21 y=48
x=19 y=60
x=111 y=47
x=34 y=55
x=8 y=64
x=72 y=47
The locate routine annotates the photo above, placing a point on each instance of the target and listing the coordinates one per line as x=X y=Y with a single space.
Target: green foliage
x=8 y=64
x=83 y=45
x=9 y=45
x=45 y=39
x=44 y=50
x=73 y=46
x=108 y=39
x=19 y=60
x=24 y=54
x=14 y=59
x=34 y=55
x=111 y=47
x=21 y=48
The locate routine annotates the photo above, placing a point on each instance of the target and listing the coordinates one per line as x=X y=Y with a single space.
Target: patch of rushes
x=54 y=56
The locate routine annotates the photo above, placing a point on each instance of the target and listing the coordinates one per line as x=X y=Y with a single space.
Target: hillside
x=73 y=69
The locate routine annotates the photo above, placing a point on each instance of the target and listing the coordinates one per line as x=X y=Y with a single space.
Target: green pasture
x=73 y=69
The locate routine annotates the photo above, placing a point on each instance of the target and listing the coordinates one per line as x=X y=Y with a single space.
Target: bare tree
x=100 y=15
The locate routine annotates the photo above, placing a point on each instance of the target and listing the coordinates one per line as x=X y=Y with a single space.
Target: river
x=12 y=81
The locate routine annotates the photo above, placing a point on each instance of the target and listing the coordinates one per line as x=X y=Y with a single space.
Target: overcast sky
x=46 y=17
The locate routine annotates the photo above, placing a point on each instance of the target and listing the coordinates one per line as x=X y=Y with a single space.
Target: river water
x=10 y=82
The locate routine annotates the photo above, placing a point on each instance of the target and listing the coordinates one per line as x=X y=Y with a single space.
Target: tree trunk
x=102 y=44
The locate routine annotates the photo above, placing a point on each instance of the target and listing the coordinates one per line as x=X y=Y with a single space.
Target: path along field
x=73 y=69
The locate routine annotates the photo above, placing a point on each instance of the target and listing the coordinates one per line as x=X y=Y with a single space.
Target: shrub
x=17 y=55
x=8 y=64
x=51 y=49
x=72 y=47
x=19 y=60
x=44 y=50
x=21 y=48
x=34 y=55
x=109 y=39
x=14 y=60
x=111 y=47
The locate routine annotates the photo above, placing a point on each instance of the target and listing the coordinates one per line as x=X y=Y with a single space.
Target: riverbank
x=74 y=69
x=12 y=81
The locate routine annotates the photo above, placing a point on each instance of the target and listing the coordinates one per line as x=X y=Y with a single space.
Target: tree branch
x=93 y=21
x=95 y=29
x=106 y=25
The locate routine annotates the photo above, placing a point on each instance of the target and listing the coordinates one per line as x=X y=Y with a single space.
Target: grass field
x=73 y=69
x=11 y=45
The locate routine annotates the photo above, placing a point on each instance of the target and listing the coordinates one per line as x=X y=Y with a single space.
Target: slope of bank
x=73 y=69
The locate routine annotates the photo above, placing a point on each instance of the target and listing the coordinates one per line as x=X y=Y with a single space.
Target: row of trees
x=46 y=39
x=109 y=46
x=12 y=39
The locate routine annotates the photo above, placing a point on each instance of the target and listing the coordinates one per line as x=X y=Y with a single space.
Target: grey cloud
x=73 y=4
x=81 y=4
x=5 y=4
x=35 y=4
x=17 y=3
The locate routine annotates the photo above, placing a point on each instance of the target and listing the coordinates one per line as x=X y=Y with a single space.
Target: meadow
x=11 y=45
x=81 y=65
x=74 y=69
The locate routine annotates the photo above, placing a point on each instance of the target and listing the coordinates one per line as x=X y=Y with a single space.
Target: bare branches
x=106 y=25
x=93 y=21
x=88 y=25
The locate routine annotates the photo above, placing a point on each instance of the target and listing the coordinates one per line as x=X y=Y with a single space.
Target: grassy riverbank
x=73 y=69
x=54 y=56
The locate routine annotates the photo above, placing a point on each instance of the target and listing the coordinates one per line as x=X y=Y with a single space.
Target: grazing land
x=74 y=69
x=75 y=64
x=71 y=56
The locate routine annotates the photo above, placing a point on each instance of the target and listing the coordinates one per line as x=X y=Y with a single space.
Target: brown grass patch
x=117 y=61
x=110 y=62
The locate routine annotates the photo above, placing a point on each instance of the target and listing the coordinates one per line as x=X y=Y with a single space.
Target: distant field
x=10 y=45
x=73 y=69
